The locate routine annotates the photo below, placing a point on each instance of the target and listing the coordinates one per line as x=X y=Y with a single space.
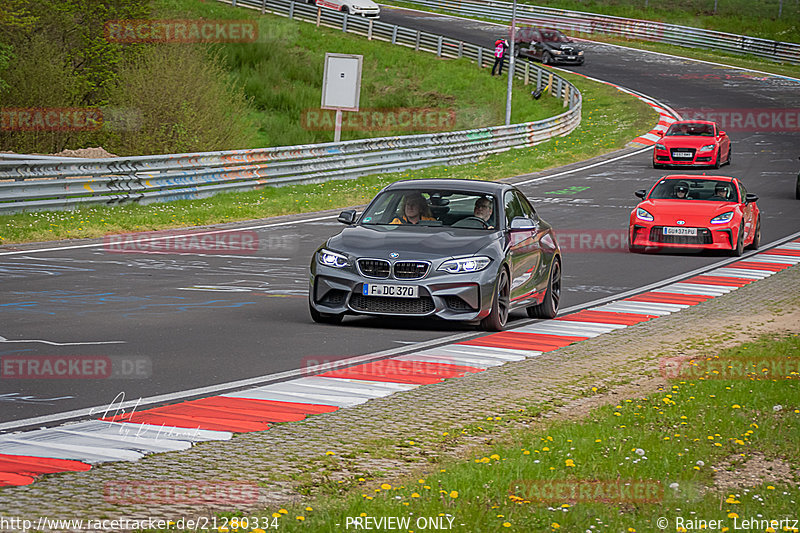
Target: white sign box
x=341 y=82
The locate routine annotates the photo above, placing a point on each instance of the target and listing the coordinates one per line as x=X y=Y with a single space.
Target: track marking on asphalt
x=52 y=343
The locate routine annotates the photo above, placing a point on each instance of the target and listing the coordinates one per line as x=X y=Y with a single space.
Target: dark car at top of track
x=699 y=212
x=692 y=143
x=450 y=264
x=548 y=46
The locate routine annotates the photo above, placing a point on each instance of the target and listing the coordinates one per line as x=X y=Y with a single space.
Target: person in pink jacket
x=500 y=47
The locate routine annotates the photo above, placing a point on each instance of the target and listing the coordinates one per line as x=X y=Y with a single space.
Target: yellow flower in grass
x=733 y=515
x=454 y=494
x=415 y=495
x=555 y=525
x=506 y=524
x=283 y=511
x=330 y=453
x=386 y=486
x=495 y=457
x=300 y=518
x=569 y=462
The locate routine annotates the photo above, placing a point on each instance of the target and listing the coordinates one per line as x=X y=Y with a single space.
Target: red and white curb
x=131 y=435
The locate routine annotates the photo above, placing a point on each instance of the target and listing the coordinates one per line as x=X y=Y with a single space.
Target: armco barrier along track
x=49 y=185
x=588 y=24
x=130 y=436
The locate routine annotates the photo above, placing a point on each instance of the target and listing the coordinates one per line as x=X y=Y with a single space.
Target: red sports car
x=692 y=143
x=702 y=212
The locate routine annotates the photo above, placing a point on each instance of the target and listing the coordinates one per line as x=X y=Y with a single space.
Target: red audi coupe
x=696 y=212
x=692 y=143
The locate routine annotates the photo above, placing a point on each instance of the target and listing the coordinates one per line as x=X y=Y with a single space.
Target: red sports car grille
x=703 y=237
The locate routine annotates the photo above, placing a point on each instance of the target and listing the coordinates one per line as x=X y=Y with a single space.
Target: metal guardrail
x=588 y=24
x=51 y=185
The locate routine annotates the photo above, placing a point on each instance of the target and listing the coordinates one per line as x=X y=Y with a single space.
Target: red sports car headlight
x=723 y=218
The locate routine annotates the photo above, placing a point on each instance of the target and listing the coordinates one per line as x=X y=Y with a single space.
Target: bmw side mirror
x=750 y=198
x=722 y=134
x=347 y=217
x=641 y=193
x=522 y=223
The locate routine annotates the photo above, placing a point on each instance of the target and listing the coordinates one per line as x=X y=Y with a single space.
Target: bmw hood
x=423 y=243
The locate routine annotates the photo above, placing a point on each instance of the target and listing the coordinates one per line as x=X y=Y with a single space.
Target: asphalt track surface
x=172 y=322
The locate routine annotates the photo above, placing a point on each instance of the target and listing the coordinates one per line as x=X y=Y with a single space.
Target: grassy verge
x=281 y=73
x=743 y=61
x=609 y=121
x=673 y=461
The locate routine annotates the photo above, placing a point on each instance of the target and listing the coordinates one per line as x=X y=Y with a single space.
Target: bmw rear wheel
x=496 y=321
x=549 y=307
x=547 y=58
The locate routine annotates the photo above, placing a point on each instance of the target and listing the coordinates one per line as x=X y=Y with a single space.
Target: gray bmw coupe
x=455 y=249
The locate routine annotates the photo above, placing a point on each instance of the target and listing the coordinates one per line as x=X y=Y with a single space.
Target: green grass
x=282 y=72
x=609 y=120
x=666 y=446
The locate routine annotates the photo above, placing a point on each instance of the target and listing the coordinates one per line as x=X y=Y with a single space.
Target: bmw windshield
x=457 y=209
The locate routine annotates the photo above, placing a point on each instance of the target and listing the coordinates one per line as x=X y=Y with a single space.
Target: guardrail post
x=527 y=72
x=394 y=35
x=460 y=49
x=319 y=15
x=566 y=95
x=480 y=57
x=416 y=44
x=538 y=79
x=263 y=7
x=291 y=10
x=558 y=88
x=550 y=84
x=439 y=46
x=344 y=23
x=233 y=3
x=369 y=31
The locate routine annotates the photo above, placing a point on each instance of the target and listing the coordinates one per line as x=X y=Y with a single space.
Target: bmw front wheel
x=496 y=321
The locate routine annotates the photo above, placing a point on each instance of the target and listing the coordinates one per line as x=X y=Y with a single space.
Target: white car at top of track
x=365 y=8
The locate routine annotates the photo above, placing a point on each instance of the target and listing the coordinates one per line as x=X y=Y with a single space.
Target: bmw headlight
x=642 y=214
x=465 y=265
x=580 y=53
x=557 y=52
x=660 y=146
x=707 y=148
x=331 y=259
x=723 y=218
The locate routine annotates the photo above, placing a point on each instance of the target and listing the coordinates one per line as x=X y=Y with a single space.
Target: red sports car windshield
x=688 y=129
x=695 y=189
